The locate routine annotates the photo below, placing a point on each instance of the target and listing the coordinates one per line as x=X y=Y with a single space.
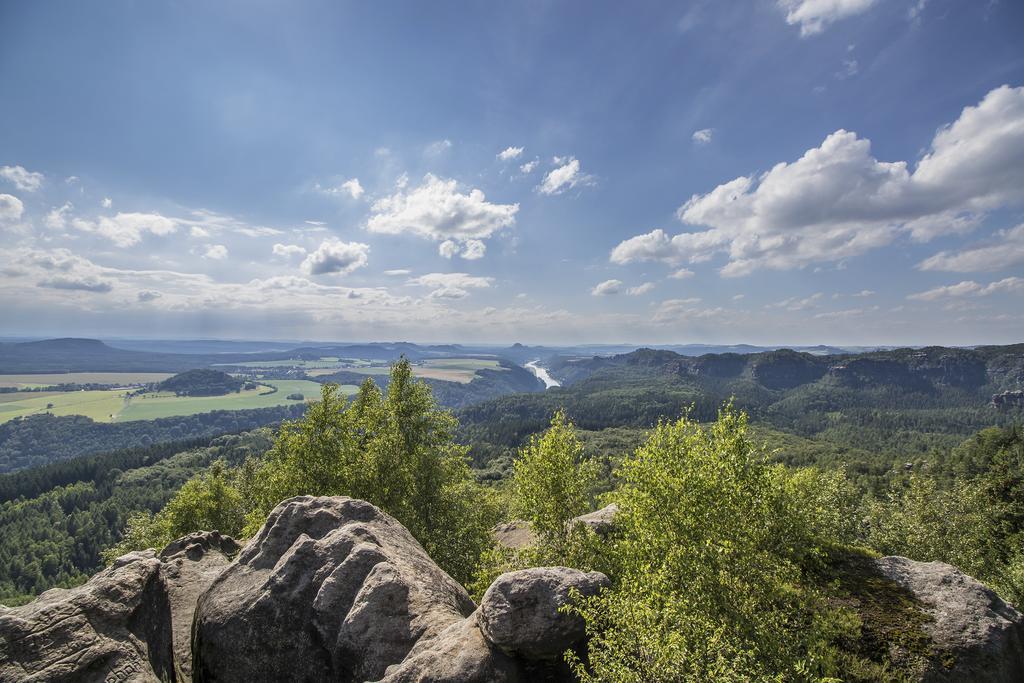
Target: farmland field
x=460 y=370
x=114 y=406
x=119 y=378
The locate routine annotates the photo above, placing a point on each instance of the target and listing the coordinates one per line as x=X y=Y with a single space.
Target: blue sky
x=762 y=171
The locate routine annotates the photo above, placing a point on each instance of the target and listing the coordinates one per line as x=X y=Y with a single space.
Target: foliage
x=707 y=566
x=201 y=382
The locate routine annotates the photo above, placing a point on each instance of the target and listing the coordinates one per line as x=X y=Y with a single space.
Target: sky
x=758 y=171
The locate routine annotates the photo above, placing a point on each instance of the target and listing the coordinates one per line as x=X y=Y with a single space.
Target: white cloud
x=640 y=289
x=397 y=271
x=850 y=69
x=450 y=285
x=107 y=202
x=216 y=252
x=127 y=229
x=846 y=313
x=529 y=167
x=971 y=288
x=864 y=293
x=1006 y=251
x=258 y=231
x=510 y=153
x=198 y=232
x=837 y=201
x=438 y=147
x=703 y=136
x=607 y=288
x=814 y=15
x=474 y=249
x=797 y=303
x=24 y=180
x=352 y=186
x=57 y=219
x=288 y=251
x=437 y=210
x=565 y=177
x=145 y=295
x=448 y=248
x=683 y=310
x=682 y=274
x=335 y=256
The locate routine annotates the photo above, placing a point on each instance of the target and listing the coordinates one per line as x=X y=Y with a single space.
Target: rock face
x=600 y=521
x=115 y=627
x=331 y=587
x=190 y=564
x=977 y=636
x=519 y=612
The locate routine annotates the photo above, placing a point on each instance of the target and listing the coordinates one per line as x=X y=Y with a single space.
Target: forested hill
x=888 y=406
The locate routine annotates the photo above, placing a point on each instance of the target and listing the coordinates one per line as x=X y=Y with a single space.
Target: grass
x=118 y=378
x=113 y=406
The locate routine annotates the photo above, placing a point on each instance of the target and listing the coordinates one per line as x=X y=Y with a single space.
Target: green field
x=113 y=406
x=460 y=370
x=124 y=379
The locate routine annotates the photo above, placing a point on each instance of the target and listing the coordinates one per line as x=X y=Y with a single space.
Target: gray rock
x=459 y=654
x=600 y=521
x=190 y=564
x=977 y=636
x=515 y=534
x=519 y=612
x=331 y=588
x=115 y=627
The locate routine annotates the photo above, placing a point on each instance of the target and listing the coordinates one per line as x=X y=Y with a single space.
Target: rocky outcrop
x=331 y=587
x=190 y=565
x=1008 y=400
x=115 y=627
x=975 y=636
x=601 y=522
x=518 y=534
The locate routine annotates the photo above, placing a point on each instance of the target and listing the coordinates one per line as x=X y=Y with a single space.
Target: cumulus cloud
x=198 y=232
x=352 y=186
x=529 y=167
x=640 y=289
x=437 y=210
x=1006 y=251
x=84 y=284
x=797 y=303
x=24 y=180
x=107 y=202
x=703 y=136
x=565 y=177
x=148 y=295
x=682 y=274
x=127 y=229
x=814 y=15
x=510 y=153
x=838 y=201
x=438 y=147
x=682 y=310
x=216 y=252
x=971 y=288
x=11 y=208
x=450 y=285
x=57 y=219
x=61 y=269
x=336 y=257
x=397 y=272
x=607 y=288
x=288 y=251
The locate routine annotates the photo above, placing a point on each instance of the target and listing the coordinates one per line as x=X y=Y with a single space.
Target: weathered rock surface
x=976 y=636
x=190 y=565
x=115 y=627
x=519 y=612
x=331 y=587
x=600 y=521
x=518 y=534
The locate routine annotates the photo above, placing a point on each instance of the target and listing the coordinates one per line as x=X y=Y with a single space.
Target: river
x=542 y=374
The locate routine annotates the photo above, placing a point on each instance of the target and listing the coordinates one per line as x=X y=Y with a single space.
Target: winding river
x=542 y=374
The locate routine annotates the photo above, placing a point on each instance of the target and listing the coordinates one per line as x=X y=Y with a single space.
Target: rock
x=460 y=654
x=976 y=636
x=515 y=534
x=519 y=612
x=116 y=627
x=600 y=521
x=330 y=587
x=190 y=564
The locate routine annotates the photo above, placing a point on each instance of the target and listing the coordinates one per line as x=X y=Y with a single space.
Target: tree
x=552 y=482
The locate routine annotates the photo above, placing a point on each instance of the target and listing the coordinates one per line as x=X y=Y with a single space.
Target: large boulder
x=116 y=627
x=975 y=636
x=520 y=612
x=330 y=587
x=190 y=564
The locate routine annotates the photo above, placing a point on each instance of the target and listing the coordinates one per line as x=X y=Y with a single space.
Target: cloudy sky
x=761 y=171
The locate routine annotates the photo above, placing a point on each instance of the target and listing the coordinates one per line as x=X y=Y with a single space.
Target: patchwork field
x=119 y=378
x=460 y=370
x=115 y=406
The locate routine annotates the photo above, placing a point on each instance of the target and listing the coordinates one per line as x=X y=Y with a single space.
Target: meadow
x=124 y=379
x=118 y=406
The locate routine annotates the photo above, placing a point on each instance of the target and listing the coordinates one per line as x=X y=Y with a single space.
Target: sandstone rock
x=976 y=636
x=190 y=564
x=116 y=627
x=600 y=521
x=519 y=612
x=460 y=654
x=330 y=587
x=515 y=534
